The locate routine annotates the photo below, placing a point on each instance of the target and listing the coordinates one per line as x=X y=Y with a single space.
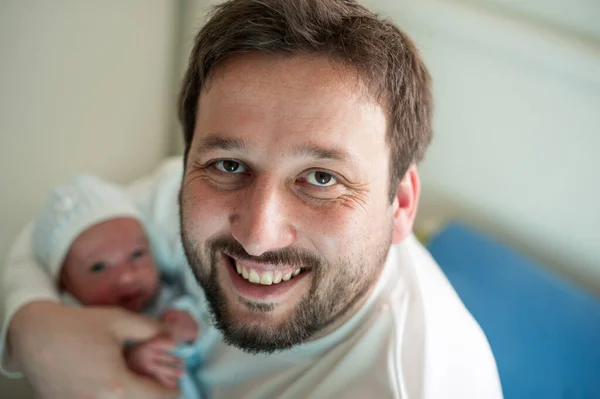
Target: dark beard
x=317 y=310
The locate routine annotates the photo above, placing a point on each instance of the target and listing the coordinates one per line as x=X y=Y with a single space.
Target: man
x=304 y=121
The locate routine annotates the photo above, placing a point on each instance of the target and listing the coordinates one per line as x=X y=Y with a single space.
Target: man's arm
x=22 y=281
x=75 y=353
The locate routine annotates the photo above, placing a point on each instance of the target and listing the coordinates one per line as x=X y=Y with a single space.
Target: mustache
x=288 y=256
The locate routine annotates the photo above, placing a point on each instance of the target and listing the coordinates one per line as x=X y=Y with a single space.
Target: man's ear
x=405 y=204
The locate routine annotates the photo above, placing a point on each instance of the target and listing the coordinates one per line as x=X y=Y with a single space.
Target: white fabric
x=413 y=338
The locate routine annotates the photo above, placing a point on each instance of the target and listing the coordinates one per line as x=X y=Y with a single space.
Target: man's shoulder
x=439 y=334
x=170 y=169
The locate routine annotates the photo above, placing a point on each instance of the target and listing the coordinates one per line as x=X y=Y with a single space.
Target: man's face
x=286 y=218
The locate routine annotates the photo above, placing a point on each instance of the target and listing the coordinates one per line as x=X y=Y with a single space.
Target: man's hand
x=75 y=353
x=152 y=358
x=179 y=325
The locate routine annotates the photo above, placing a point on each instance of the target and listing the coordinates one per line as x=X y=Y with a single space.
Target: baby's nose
x=128 y=274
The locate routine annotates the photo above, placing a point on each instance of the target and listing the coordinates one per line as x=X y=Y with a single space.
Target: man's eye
x=98 y=267
x=137 y=254
x=321 y=179
x=230 y=166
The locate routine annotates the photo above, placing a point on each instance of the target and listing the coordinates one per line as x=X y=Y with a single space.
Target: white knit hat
x=71 y=209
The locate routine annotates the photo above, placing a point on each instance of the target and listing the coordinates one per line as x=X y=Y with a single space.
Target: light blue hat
x=70 y=210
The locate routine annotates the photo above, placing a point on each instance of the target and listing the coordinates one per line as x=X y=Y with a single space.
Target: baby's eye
x=137 y=254
x=98 y=267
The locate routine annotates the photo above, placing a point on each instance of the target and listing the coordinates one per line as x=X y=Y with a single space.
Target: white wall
x=573 y=17
x=192 y=15
x=517 y=126
x=84 y=86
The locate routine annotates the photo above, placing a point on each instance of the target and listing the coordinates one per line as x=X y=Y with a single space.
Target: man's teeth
x=265 y=278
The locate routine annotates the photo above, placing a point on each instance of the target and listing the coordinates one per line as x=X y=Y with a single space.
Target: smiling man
x=304 y=121
x=285 y=212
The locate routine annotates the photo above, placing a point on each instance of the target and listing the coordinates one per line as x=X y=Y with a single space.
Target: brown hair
x=385 y=59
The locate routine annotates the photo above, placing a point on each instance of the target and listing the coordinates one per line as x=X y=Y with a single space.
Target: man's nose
x=260 y=221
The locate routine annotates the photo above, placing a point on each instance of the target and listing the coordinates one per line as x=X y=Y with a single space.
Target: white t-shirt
x=412 y=338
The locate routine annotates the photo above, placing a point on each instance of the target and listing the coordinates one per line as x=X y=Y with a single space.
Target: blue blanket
x=543 y=330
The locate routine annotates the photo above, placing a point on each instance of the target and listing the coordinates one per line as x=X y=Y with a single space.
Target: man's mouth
x=264 y=277
x=259 y=281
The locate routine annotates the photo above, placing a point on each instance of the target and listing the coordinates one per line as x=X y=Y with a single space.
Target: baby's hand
x=152 y=358
x=179 y=325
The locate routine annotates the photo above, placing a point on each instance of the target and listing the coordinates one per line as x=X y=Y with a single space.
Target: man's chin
x=261 y=334
x=257 y=318
x=245 y=313
x=259 y=326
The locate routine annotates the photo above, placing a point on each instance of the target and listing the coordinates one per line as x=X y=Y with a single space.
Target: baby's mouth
x=131 y=299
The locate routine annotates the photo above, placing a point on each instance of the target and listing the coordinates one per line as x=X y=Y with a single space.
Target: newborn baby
x=90 y=238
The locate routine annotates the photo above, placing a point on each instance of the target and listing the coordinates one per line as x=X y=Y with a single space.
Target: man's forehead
x=257 y=99
x=309 y=90
x=256 y=71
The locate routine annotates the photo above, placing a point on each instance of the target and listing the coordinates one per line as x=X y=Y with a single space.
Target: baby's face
x=111 y=264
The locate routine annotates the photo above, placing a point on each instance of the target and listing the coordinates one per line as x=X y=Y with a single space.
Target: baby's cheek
x=102 y=293
x=151 y=278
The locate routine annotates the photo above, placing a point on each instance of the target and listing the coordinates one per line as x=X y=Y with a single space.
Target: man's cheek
x=329 y=231
x=208 y=217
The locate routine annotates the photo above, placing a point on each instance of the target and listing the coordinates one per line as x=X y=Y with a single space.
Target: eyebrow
x=316 y=152
x=212 y=143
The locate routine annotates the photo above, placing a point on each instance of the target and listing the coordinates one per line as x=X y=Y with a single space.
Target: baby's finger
x=163 y=344
x=167 y=359
x=171 y=382
x=167 y=375
x=167 y=382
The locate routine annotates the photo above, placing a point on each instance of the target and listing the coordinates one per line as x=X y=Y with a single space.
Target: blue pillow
x=544 y=331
